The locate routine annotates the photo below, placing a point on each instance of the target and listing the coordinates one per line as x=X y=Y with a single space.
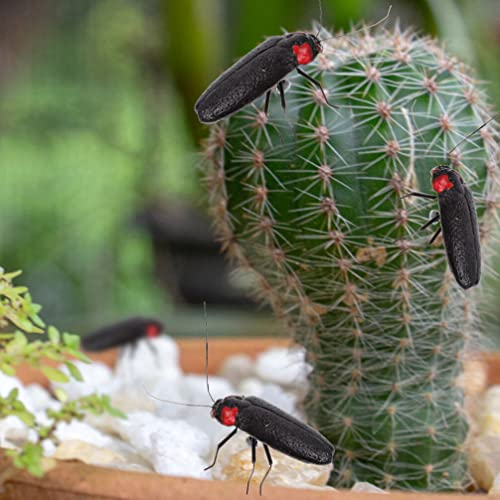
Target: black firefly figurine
x=458 y=221
x=258 y=72
x=122 y=334
x=268 y=424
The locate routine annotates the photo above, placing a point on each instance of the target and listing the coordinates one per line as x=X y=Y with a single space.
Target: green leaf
x=114 y=412
x=24 y=415
x=74 y=371
x=13 y=395
x=71 y=340
x=54 y=374
x=54 y=335
x=19 y=341
x=61 y=394
x=8 y=369
x=79 y=355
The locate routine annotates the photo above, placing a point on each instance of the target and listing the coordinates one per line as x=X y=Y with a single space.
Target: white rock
x=495 y=488
x=8 y=383
x=76 y=430
x=13 y=430
x=97 y=377
x=151 y=358
x=251 y=386
x=40 y=398
x=139 y=428
x=365 y=487
x=284 y=366
x=236 y=368
x=48 y=447
x=175 y=459
x=97 y=455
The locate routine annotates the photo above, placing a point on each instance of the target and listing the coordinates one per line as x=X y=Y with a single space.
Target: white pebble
x=284 y=366
x=176 y=459
x=251 y=387
x=149 y=359
x=76 y=430
x=8 y=383
x=40 y=398
x=97 y=377
x=236 y=368
x=365 y=487
x=139 y=428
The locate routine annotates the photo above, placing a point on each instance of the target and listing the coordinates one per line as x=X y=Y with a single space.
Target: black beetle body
x=272 y=426
x=257 y=73
x=458 y=223
x=122 y=333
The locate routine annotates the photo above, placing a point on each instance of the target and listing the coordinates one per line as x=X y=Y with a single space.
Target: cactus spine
x=311 y=203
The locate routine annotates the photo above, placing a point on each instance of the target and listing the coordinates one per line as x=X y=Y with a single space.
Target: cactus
x=310 y=202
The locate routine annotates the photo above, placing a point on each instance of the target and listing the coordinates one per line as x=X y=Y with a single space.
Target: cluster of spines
x=310 y=202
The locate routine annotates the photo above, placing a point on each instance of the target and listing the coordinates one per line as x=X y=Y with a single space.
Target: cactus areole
x=311 y=203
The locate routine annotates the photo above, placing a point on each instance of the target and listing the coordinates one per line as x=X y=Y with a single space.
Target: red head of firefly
x=226 y=410
x=153 y=329
x=305 y=47
x=445 y=178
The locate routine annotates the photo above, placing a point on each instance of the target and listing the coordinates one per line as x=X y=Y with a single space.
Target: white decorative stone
x=236 y=368
x=283 y=366
x=96 y=455
x=151 y=436
x=12 y=431
x=149 y=359
x=40 y=397
x=484 y=459
x=76 y=430
x=172 y=458
x=97 y=377
x=251 y=386
x=495 y=488
x=364 y=487
x=8 y=383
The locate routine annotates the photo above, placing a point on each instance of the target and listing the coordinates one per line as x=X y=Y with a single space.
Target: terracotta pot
x=73 y=480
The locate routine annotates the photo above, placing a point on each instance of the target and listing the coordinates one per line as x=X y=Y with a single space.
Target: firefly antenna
x=472 y=133
x=206 y=349
x=173 y=402
x=364 y=27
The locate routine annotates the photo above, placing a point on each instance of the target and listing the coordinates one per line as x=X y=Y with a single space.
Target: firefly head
x=315 y=44
x=225 y=411
x=153 y=328
x=305 y=46
x=445 y=178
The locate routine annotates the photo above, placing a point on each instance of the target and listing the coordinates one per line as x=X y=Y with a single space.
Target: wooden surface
x=73 y=480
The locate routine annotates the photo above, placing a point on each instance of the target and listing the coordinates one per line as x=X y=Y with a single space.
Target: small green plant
x=17 y=310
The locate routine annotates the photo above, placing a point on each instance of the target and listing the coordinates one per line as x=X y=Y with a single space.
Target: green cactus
x=310 y=202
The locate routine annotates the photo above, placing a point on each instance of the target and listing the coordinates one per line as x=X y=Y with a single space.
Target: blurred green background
x=97 y=133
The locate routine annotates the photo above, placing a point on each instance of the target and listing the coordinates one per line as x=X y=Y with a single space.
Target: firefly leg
x=318 y=84
x=219 y=446
x=419 y=195
x=266 y=103
x=154 y=352
x=270 y=460
x=436 y=234
x=253 y=444
x=430 y=222
x=281 y=88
